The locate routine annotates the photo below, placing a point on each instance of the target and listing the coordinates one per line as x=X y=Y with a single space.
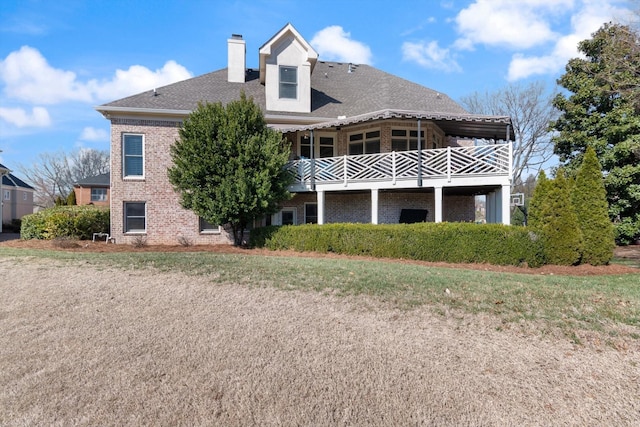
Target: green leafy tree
x=590 y=203
x=228 y=166
x=603 y=112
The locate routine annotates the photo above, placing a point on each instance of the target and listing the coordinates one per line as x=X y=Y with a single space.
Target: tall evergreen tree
x=552 y=215
x=229 y=166
x=590 y=203
x=603 y=112
x=538 y=202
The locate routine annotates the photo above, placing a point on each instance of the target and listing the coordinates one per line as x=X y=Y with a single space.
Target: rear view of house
x=366 y=146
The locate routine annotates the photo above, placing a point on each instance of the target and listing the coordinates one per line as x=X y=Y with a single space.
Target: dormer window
x=288 y=82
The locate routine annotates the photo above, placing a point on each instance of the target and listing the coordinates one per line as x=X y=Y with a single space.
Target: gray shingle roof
x=102 y=180
x=10 y=180
x=335 y=92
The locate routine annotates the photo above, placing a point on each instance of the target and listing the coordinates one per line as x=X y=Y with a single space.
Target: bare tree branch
x=531 y=110
x=54 y=174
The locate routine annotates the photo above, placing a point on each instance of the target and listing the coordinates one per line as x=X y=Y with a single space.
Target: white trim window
x=286 y=216
x=288 y=82
x=7 y=194
x=207 y=228
x=132 y=155
x=310 y=213
x=135 y=217
x=25 y=196
x=324 y=146
x=405 y=139
x=98 y=194
x=364 y=142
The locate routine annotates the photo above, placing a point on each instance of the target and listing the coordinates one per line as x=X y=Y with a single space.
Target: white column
x=506 y=204
x=374 y=206
x=437 y=195
x=320 y=195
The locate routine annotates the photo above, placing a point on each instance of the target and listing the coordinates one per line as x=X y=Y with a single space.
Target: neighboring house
x=366 y=146
x=93 y=190
x=16 y=197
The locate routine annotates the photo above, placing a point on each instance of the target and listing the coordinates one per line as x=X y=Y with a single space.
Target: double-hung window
x=98 y=194
x=135 y=217
x=364 y=143
x=207 y=228
x=7 y=194
x=133 y=155
x=288 y=82
x=403 y=139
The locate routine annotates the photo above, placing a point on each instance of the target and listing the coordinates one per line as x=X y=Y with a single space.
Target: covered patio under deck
x=480 y=169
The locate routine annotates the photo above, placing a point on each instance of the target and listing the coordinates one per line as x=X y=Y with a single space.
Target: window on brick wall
x=323 y=146
x=405 y=139
x=132 y=156
x=310 y=213
x=364 y=142
x=98 y=194
x=207 y=227
x=135 y=217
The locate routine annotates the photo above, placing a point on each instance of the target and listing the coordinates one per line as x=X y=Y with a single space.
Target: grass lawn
x=570 y=303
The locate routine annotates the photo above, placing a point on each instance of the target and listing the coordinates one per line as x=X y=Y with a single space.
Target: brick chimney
x=237 y=59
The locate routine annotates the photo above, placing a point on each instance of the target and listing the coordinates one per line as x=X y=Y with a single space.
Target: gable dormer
x=286 y=64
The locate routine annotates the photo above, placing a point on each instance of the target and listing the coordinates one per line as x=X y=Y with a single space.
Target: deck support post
x=374 y=205
x=437 y=195
x=320 y=198
x=506 y=204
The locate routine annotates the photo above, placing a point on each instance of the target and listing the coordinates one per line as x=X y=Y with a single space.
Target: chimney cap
x=236 y=36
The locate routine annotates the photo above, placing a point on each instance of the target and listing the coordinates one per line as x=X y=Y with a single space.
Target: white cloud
x=430 y=55
x=137 y=79
x=335 y=44
x=27 y=76
x=515 y=24
x=39 y=117
x=584 y=22
x=93 y=134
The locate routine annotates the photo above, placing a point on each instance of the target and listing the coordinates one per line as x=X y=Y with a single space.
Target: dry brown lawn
x=115 y=347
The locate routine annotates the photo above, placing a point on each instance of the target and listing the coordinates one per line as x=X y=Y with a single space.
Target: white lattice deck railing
x=450 y=162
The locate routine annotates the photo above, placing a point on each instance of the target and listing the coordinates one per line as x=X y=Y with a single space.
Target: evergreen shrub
x=76 y=222
x=446 y=242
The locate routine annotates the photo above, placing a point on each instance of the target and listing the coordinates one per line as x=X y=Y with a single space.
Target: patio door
x=323 y=145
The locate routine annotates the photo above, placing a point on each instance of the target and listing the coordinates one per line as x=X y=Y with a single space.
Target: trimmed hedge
x=77 y=222
x=447 y=242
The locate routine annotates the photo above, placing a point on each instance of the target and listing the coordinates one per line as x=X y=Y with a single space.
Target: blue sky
x=59 y=59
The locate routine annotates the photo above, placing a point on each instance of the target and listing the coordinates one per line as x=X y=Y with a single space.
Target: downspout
x=419 y=156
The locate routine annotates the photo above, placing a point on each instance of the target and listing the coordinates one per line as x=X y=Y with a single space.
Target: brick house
x=366 y=146
x=16 y=197
x=93 y=190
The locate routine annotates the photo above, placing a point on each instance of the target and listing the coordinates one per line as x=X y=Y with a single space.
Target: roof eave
x=113 y=111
